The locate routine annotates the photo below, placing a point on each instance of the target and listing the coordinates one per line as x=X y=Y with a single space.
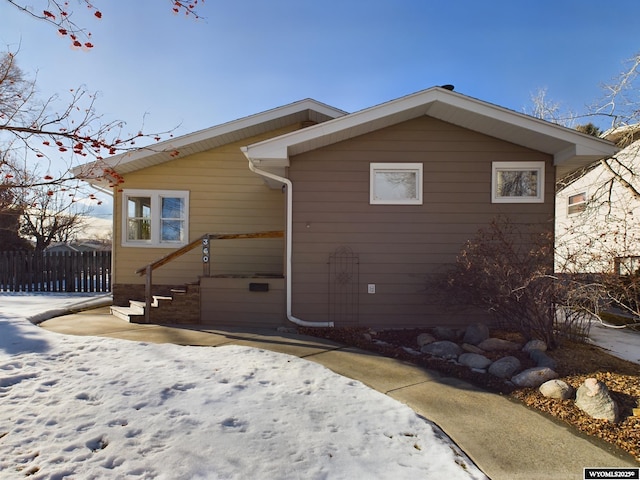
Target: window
x=627 y=265
x=395 y=184
x=517 y=182
x=155 y=218
x=577 y=203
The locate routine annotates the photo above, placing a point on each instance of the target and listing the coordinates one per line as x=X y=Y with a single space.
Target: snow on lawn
x=622 y=342
x=88 y=407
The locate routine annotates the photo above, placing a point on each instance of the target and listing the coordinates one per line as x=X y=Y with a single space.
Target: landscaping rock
x=472 y=349
x=445 y=333
x=534 y=377
x=473 y=360
x=593 y=398
x=425 y=339
x=542 y=359
x=504 y=367
x=497 y=344
x=442 y=349
x=476 y=333
x=534 y=345
x=557 y=389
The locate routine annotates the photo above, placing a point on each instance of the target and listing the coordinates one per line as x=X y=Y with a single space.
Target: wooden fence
x=55 y=272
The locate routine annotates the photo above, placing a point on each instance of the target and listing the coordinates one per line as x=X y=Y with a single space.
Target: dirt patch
x=576 y=362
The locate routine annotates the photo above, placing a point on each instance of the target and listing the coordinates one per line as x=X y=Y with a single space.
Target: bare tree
x=550 y=110
x=42 y=131
x=68 y=128
x=60 y=16
x=52 y=216
x=10 y=215
x=621 y=101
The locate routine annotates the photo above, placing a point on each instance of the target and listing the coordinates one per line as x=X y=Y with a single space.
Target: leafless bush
x=507 y=269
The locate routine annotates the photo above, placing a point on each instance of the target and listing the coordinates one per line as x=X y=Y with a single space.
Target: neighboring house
x=597 y=213
x=61 y=247
x=371 y=204
x=78 y=246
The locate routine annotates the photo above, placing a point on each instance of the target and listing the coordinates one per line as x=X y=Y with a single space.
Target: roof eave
x=567 y=146
x=203 y=140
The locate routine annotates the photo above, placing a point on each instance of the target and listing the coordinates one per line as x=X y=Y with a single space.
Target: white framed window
x=517 y=182
x=629 y=265
x=577 y=203
x=155 y=218
x=395 y=184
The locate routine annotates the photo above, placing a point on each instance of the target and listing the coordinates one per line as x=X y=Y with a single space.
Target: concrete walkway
x=503 y=438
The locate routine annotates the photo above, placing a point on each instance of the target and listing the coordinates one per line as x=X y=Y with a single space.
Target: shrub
x=507 y=269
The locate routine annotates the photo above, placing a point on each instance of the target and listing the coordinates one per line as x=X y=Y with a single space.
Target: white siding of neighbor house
x=609 y=227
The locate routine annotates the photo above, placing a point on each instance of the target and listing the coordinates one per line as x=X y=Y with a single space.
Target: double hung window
x=155 y=218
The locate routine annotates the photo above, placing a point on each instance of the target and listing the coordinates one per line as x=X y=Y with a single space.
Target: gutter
x=289 y=189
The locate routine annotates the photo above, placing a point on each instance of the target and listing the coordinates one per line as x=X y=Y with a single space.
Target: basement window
x=395 y=184
x=155 y=218
x=517 y=182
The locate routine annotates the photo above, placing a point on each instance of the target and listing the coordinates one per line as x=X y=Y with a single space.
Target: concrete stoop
x=182 y=307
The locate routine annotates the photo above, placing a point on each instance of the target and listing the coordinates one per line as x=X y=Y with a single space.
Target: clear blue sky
x=253 y=55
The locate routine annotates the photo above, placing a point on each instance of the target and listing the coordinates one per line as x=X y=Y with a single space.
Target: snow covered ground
x=623 y=343
x=93 y=408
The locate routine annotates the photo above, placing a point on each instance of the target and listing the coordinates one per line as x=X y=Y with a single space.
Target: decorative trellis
x=344 y=272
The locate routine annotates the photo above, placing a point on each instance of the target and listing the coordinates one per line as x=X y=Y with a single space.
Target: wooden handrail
x=171 y=256
x=212 y=236
x=148 y=269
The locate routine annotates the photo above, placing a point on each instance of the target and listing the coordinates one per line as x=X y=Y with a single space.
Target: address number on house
x=205 y=250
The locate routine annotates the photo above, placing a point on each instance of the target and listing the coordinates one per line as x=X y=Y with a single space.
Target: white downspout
x=288 y=237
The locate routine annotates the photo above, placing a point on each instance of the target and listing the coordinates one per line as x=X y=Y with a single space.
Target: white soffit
x=567 y=146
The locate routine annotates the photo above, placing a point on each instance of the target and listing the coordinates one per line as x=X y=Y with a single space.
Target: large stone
x=425 y=339
x=534 y=377
x=504 y=367
x=534 y=345
x=442 y=349
x=445 y=333
x=498 y=344
x=473 y=360
x=542 y=359
x=556 y=389
x=467 y=347
x=593 y=398
x=476 y=333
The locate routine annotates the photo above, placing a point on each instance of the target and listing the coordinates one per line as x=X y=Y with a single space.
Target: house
x=78 y=246
x=598 y=229
x=369 y=205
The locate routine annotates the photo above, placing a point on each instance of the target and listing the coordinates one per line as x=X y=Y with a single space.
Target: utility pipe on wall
x=288 y=247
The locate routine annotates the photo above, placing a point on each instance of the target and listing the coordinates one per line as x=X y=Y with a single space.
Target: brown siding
x=224 y=197
x=398 y=246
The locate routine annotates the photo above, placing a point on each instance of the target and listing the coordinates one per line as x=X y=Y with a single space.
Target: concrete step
x=128 y=314
x=135 y=311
